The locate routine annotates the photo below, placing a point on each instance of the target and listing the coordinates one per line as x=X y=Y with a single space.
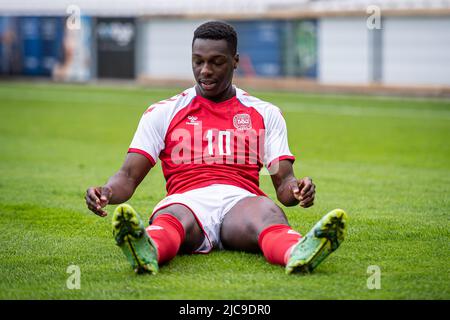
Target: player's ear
x=236 y=61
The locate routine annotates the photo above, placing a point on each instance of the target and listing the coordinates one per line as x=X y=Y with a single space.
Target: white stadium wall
x=416 y=51
x=343 y=50
x=164 y=48
x=411 y=50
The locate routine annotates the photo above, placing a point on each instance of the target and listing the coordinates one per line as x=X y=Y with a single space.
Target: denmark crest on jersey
x=242 y=121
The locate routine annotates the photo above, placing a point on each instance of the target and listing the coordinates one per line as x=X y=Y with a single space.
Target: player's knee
x=181 y=213
x=267 y=213
x=243 y=224
x=270 y=210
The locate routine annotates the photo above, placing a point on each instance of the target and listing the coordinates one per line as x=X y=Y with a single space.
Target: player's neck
x=227 y=94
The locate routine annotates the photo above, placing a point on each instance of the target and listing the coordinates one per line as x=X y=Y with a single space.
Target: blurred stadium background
x=309 y=45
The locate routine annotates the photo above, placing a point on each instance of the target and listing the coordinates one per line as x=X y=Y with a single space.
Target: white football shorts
x=209 y=206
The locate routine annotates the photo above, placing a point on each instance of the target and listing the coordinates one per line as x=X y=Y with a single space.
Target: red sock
x=276 y=241
x=168 y=234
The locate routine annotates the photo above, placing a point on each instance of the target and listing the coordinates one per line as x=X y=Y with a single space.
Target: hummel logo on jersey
x=149 y=109
x=192 y=120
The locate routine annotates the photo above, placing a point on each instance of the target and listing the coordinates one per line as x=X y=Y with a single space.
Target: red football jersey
x=200 y=142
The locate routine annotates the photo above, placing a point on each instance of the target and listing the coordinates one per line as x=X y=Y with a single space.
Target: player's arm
x=121 y=186
x=290 y=190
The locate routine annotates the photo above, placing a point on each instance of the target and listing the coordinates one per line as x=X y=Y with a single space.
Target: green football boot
x=324 y=238
x=132 y=238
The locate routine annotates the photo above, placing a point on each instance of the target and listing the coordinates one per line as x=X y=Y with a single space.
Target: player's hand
x=304 y=191
x=97 y=198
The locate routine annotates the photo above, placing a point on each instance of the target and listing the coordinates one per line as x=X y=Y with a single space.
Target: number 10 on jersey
x=224 y=138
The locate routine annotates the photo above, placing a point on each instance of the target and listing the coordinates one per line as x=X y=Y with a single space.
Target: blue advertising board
x=260 y=46
x=51 y=35
x=40 y=44
x=30 y=35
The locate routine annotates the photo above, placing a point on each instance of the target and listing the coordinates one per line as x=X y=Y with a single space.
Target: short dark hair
x=217 y=30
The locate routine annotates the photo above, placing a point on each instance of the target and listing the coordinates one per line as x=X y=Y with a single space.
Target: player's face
x=213 y=65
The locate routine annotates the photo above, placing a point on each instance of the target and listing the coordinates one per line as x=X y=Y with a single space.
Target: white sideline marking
x=330 y=109
x=355 y=111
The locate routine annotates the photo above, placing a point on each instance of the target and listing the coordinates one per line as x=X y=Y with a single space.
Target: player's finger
x=105 y=195
x=297 y=196
x=308 y=194
x=90 y=201
x=305 y=202
x=92 y=194
x=101 y=213
x=309 y=205
x=93 y=202
x=91 y=207
x=97 y=210
x=297 y=186
x=293 y=186
x=307 y=182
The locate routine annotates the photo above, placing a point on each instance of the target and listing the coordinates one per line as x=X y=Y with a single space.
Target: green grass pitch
x=386 y=161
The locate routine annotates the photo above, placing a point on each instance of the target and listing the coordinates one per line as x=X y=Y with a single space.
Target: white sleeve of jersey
x=150 y=134
x=276 y=142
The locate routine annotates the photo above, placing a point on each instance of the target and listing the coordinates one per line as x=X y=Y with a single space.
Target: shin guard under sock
x=276 y=241
x=168 y=233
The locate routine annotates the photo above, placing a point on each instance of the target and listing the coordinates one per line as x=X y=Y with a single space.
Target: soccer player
x=212 y=140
